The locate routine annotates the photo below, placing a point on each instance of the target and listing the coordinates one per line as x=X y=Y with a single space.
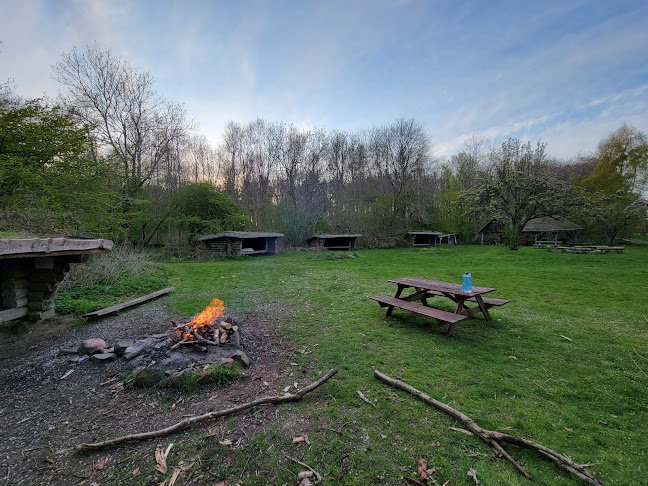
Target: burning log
x=206 y=327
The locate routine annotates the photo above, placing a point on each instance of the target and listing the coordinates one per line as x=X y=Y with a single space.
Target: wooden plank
x=437 y=314
x=11 y=314
x=489 y=301
x=130 y=303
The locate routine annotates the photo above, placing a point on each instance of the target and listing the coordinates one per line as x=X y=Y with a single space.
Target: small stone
x=227 y=363
x=121 y=346
x=103 y=357
x=92 y=346
x=67 y=351
x=235 y=339
x=136 y=348
x=241 y=357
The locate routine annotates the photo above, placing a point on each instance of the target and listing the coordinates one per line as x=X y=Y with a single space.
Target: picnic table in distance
x=426 y=289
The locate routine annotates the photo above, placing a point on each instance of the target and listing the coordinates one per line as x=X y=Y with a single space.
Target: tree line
x=111 y=157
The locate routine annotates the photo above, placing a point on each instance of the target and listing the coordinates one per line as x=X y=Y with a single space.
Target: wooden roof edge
x=336 y=236
x=51 y=246
x=431 y=233
x=240 y=234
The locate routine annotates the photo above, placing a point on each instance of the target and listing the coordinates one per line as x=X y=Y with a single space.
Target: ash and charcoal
x=155 y=357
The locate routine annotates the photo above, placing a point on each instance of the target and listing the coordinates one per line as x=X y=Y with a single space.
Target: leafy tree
x=517 y=187
x=622 y=163
x=611 y=195
x=48 y=183
x=202 y=209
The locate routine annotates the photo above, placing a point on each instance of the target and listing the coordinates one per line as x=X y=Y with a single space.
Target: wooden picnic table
x=424 y=289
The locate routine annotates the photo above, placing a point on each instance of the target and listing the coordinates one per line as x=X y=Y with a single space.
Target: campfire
x=209 y=327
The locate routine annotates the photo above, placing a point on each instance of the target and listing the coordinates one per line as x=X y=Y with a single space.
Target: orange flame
x=201 y=322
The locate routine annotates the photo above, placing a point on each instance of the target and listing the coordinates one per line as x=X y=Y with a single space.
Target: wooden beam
x=116 y=308
x=11 y=314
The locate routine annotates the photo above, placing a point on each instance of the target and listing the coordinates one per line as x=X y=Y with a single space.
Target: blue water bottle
x=467 y=282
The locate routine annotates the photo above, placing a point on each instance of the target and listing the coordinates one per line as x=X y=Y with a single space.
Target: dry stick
x=492 y=437
x=207 y=416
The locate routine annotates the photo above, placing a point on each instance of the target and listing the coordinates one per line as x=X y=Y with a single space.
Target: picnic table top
x=452 y=288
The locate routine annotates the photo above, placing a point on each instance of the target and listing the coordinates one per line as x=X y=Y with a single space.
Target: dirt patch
x=46 y=410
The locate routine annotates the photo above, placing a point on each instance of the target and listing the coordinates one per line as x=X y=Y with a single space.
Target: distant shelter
x=241 y=243
x=423 y=238
x=545 y=229
x=333 y=242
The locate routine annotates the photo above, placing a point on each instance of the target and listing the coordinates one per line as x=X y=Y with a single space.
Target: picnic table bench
x=426 y=289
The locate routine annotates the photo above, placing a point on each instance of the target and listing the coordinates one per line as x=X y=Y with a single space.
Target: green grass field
x=564 y=364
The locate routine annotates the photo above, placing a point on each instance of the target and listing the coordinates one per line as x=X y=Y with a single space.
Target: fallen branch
x=493 y=438
x=183 y=424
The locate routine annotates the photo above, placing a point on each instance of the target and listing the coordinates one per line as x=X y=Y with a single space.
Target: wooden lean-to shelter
x=423 y=238
x=545 y=229
x=242 y=243
x=31 y=270
x=333 y=242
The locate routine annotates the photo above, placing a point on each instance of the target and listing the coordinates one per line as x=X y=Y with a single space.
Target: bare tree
x=130 y=119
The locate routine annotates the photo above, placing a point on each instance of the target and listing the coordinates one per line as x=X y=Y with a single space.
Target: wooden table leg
x=482 y=306
x=460 y=304
x=390 y=309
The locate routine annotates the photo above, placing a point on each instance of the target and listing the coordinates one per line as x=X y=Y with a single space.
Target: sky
x=566 y=72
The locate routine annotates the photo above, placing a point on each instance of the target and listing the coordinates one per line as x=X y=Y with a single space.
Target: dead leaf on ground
x=301 y=438
x=161 y=457
x=136 y=472
x=422 y=469
x=102 y=464
x=435 y=444
x=220 y=483
x=225 y=442
x=304 y=478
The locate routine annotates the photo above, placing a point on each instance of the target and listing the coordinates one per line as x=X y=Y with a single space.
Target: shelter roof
x=239 y=234
x=38 y=247
x=335 y=236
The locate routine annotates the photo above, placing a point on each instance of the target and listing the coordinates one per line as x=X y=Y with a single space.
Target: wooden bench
x=489 y=301
x=440 y=315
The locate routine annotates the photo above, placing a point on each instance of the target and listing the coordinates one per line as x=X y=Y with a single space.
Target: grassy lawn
x=564 y=364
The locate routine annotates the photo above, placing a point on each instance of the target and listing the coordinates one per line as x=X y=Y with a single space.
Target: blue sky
x=567 y=73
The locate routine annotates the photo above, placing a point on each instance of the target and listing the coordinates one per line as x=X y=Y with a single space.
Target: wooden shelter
x=242 y=243
x=423 y=238
x=546 y=229
x=333 y=242
x=31 y=270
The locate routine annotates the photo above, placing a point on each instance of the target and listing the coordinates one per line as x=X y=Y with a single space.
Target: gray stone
x=122 y=345
x=92 y=346
x=241 y=357
x=227 y=362
x=103 y=357
x=136 y=348
x=235 y=339
x=67 y=351
x=148 y=377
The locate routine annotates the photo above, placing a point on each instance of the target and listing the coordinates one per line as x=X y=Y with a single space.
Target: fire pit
x=209 y=338
x=207 y=328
